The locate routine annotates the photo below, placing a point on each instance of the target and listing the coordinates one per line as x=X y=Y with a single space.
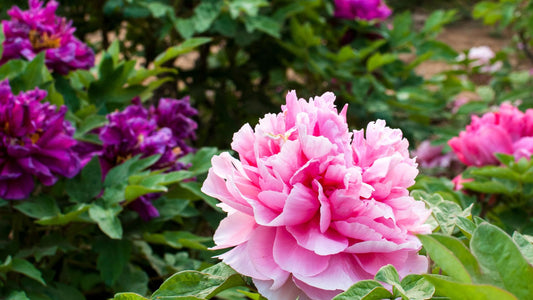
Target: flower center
x=121 y=159
x=43 y=41
x=176 y=151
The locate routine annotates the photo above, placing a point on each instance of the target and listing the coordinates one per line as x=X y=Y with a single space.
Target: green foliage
x=488 y=270
x=203 y=284
x=410 y=287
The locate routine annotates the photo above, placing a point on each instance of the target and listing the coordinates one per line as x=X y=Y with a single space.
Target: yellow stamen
x=34 y=137
x=176 y=151
x=43 y=41
x=121 y=159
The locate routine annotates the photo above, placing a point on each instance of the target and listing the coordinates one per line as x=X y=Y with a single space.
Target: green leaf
x=2 y=39
x=129 y=296
x=133 y=192
x=437 y=20
x=113 y=255
x=377 y=60
x=249 y=7
x=74 y=215
x=489 y=11
x=185 y=47
x=159 y=9
x=118 y=175
x=177 y=239
x=39 y=207
x=133 y=279
x=365 y=290
x=64 y=87
x=206 y=13
x=107 y=220
x=445 y=286
x=492 y=187
x=24 y=267
x=496 y=172
x=195 y=188
x=445 y=212
x=417 y=287
x=264 y=24
x=497 y=252
x=35 y=74
x=201 y=160
x=90 y=123
x=199 y=285
x=185 y=27
x=452 y=256
x=466 y=226
x=12 y=68
x=525 y=243
x=388 y=274
x=88 y=184
x=16 y=295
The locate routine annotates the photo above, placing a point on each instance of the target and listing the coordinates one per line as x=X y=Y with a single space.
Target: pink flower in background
x=362 y=9
x=429 y=156
x=508 y=131
x=312 y=207
x=39 y=29
x=481 y=57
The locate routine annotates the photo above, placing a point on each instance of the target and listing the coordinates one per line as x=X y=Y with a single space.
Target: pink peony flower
x=430 y=156
x=481 y=57
x=508 y=131
x=313 y=208
x=362 y=9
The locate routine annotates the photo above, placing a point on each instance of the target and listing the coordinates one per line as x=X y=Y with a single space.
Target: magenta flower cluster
x=362 y=9
x=136 y=130
x=39 y=29
x=312 y=207
x=35 y=142
x=507 y=131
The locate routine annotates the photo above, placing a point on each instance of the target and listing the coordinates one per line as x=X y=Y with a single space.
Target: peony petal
x=301 y=205
x=311 y=238
x=342 y=272
x=295 y=259
x=234 y=230
x=289 y=291
x=260 y=252
x=239 y=259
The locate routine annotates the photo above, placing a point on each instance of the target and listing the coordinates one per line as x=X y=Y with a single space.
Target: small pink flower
x=312 y=207
x=481 y=57
x=508 y=131
x=430 y=156
x=459 y=180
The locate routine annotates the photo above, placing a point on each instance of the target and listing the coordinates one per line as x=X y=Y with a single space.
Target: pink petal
x=309 y=236
x=295 y=259
x=342 y=272
x=234 y=230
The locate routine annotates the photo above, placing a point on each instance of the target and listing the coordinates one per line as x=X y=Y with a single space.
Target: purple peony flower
x=39 y=29
x=136 y=130
x=35 y=141
x=362 y=9
x=176 y=115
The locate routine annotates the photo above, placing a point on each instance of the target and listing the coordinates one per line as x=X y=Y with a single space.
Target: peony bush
x=112 y=185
